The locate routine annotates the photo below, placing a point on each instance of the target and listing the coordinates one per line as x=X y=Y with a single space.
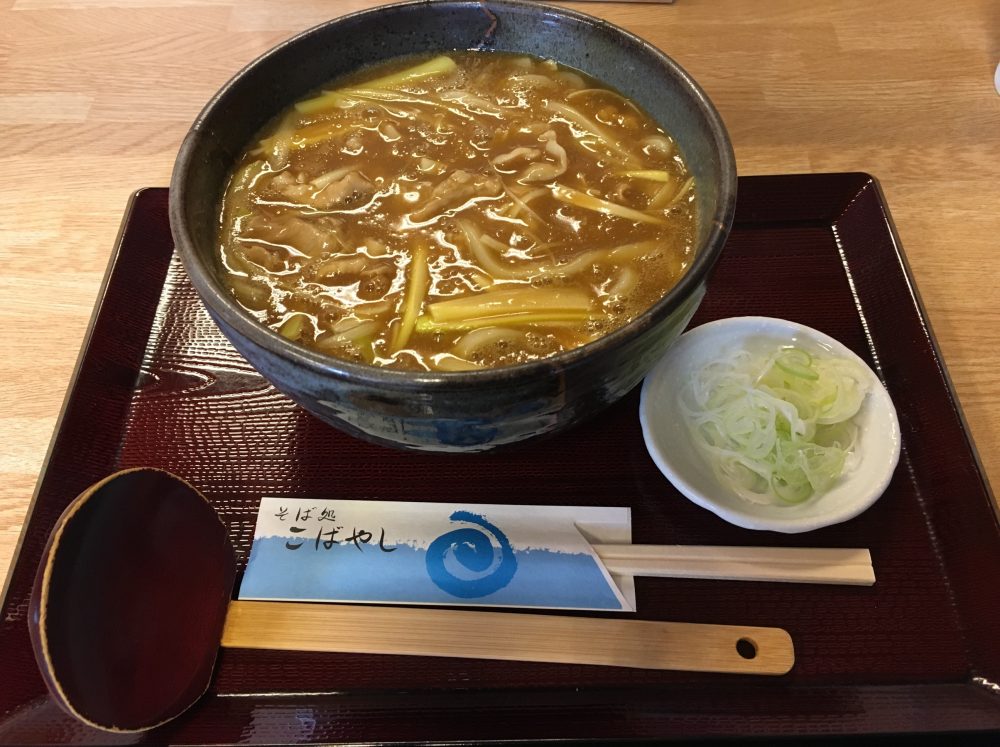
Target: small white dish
x=669 y=444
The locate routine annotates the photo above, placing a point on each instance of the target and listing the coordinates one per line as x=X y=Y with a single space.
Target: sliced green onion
x=776 y=428
x=797 y=362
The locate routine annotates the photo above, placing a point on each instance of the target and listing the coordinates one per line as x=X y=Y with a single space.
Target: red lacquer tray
x=157 y=385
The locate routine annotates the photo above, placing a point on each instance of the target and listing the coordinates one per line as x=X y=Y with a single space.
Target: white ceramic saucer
x=669 y=444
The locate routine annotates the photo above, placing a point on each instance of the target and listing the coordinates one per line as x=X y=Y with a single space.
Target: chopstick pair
x=851 y=566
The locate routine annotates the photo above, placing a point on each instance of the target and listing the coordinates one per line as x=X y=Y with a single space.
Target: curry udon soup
x=456 y=212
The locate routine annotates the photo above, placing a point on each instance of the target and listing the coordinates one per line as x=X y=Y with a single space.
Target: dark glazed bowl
x=463 y=411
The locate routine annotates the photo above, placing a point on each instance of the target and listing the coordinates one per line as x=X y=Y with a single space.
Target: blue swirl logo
x=471 y=562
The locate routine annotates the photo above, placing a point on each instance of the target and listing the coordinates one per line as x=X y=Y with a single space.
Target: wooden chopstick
x=851 y=566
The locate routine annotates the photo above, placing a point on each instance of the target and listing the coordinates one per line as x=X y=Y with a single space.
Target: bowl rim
x=222 y=304
x=676 y=470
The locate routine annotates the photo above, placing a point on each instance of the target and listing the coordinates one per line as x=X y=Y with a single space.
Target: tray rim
x=865 y=181
x=942 y=365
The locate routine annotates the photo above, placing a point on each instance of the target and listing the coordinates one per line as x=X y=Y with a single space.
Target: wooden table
x=95 y=96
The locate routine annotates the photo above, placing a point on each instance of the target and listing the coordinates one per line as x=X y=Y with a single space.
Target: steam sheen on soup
x=456 y=212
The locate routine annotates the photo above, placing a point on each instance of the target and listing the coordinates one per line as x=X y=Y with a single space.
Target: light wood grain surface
x=96 y=95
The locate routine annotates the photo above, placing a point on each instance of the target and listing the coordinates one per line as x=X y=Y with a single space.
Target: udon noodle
x=456 y=212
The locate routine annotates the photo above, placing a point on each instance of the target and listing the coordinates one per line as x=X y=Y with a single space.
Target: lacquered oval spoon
x=132 y=600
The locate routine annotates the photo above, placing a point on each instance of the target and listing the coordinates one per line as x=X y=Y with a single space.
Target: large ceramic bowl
x=462 y=411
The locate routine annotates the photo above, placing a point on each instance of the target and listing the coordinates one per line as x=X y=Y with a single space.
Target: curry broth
x=455 y=212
